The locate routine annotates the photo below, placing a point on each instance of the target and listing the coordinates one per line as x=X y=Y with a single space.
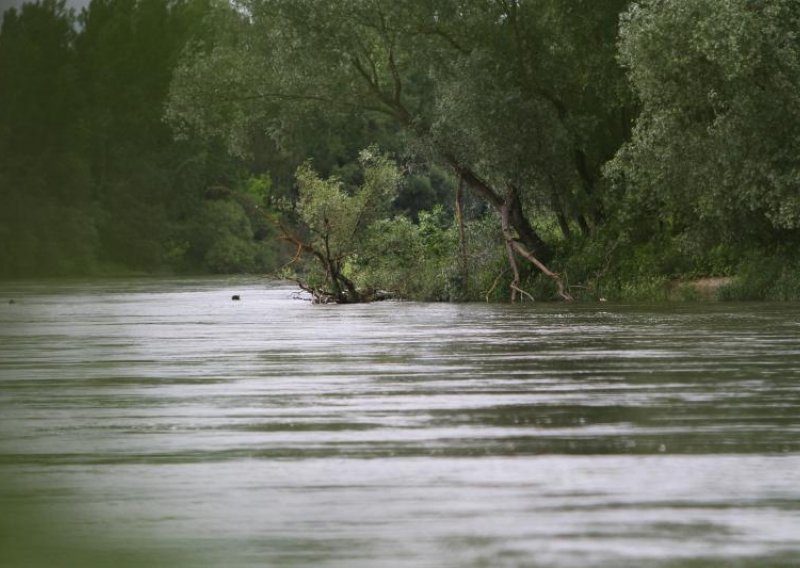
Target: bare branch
x=522 y=251
x=523 y=292
x=473 y=181
x=494 y=285
x=512 y=262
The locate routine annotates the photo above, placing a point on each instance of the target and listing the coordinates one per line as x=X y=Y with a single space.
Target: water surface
x=158 y=422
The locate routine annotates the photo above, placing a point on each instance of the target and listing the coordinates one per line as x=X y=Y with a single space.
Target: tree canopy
x=716 y=143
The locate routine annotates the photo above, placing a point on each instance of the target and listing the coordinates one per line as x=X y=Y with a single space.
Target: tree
x=539 y=96
x=715 y=151
x=333 y=224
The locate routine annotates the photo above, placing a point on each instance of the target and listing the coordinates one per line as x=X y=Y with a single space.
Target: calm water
x=157 y=422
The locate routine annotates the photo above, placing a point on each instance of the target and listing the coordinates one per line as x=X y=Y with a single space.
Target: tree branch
x=398 y=84
x=477 y=184
x=513 y=245
x=394 y=107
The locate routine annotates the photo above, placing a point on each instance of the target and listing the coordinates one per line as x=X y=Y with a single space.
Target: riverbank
x=777 y=282
x=702 y=289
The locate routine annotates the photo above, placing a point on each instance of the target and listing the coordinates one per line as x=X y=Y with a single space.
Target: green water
x=160 y=423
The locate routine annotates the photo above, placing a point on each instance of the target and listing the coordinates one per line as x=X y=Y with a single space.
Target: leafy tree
x=536 y=101
x=333 y=224
x=715 y=151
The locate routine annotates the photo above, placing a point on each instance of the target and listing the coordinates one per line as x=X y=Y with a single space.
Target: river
x=158 y=422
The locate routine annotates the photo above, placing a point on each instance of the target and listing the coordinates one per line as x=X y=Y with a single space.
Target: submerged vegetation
x=440 y=149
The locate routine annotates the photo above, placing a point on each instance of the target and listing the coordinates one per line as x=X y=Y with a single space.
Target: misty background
x=6 y=4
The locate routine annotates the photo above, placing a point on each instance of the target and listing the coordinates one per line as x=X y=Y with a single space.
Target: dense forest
x=431 y=149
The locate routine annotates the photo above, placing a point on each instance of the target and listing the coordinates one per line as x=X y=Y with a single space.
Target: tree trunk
x=345 y=291
x=526 y=234
x=558 y=207
x=587 y=183
x=516 y=216
x=342 y=289
x=515 y=246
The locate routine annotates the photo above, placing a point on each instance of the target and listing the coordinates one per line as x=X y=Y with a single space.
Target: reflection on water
x=158 y=422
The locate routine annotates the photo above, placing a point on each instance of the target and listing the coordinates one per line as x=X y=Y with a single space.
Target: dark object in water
x=12 y=301
x=235 y=297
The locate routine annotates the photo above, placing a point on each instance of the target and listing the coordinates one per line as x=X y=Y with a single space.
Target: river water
x=160 y=423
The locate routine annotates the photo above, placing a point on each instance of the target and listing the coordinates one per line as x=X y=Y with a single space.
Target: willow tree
x=466 y=81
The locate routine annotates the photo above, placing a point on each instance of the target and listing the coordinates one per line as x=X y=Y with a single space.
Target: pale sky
x=6 y=4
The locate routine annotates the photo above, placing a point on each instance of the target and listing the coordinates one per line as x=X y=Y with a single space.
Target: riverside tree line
x=431 y=149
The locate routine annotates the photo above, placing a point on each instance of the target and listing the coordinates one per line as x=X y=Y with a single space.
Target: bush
x=774 y=278
x=411 y=260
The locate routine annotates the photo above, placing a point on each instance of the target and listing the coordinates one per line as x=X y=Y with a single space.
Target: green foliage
x=391 y=259
x=259 y=189
x=423 y=261
x=708 y=183
x=353 y=232
x=411 y=260
x=424 y=190
x=518 y=94
x=333 y=222
x=775 y=278
x=715 y=148
x=45 y=219
x=336 y=219
x=486 y=275
x=538 y=102
x=222 y=239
